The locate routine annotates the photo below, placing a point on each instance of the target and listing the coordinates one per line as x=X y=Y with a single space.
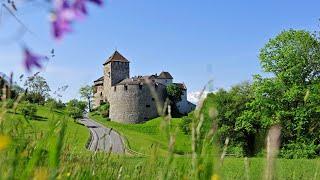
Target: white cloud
x=194 y=97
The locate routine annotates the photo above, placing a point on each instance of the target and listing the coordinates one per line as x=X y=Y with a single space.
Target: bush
x=295 y=150
x=76 y=108
x=74 y=112
x=105 y=114
x=54 y=104
x=236 y=151
x=103 y=107
x=34 y=98
x=28 y=110
x=185 y=124
x=9 y=103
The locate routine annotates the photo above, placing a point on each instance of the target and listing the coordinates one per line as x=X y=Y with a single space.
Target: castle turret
x=164 y=78
x=116 y=69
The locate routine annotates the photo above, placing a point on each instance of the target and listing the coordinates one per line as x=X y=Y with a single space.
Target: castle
x=4 y=86
x=135 y=99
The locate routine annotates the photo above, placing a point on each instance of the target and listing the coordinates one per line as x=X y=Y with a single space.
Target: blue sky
x=195 y=40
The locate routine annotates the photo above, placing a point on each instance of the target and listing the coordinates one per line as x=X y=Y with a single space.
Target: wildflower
x=98 y=2
x=31 y=60
x=215 y=177
x=80 y=8
x=62 y=18
x=4 y=142
x=41 y=174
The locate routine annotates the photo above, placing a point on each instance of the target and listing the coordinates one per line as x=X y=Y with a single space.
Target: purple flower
x=32 y=60
x=64 y=15
x=98 y=2
x=79 y=8
x=60 y=26
x=62 y=19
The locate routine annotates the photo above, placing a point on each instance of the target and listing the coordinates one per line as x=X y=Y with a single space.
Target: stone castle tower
x=116 y=69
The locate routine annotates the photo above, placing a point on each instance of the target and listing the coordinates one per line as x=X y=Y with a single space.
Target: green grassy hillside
x=33 y=160
x=76 y=135
x=141 y=137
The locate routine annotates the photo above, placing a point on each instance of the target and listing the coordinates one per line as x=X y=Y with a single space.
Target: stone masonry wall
x=98 y=96
x=134 y=104
x=114 y=72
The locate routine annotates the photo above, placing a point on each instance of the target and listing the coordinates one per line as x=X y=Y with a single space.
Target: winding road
x=102 y=138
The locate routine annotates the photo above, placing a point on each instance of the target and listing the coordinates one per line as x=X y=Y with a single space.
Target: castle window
x=152 y=99
x=109 y=74
x=101 y=94
x=115 y=88
x=147 y=105
x=125 y=87
x=140 y=86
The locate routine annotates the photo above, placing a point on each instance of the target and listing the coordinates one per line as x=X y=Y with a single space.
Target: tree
x=293 y=56
x=86 y=92
x=290 y=98
x=76 y=108
x=174 y=92
x=37 y=88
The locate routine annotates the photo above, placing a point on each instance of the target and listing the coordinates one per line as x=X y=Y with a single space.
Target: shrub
x=185 y=124
x=74 y=112
x=34 y=98
x=9 y=103
x=103 y=107
x=300 y=149
x=76 y=108
x=28 y=110
x=105 y=114
x=54 y=104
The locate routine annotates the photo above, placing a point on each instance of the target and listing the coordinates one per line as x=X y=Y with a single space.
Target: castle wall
x=184 y=106
x=98 y=96
x=4 y=88
x=164 y=81
x=114 y=72
x=134 y=104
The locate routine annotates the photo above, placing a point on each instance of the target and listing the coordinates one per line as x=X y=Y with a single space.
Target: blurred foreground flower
x=41 y=174
x=62 y=18
x=32 y=60
x=4 y=142
x=215 y=177
x=98 y=2
x=65 y=14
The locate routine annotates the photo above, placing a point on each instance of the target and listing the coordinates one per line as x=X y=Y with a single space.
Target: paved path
x=102 y=138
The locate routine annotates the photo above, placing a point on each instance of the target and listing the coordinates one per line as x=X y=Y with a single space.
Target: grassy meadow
x=141 y=137
x=53 y=146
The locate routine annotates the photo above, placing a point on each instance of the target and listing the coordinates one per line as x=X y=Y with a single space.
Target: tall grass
x=26 y=153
